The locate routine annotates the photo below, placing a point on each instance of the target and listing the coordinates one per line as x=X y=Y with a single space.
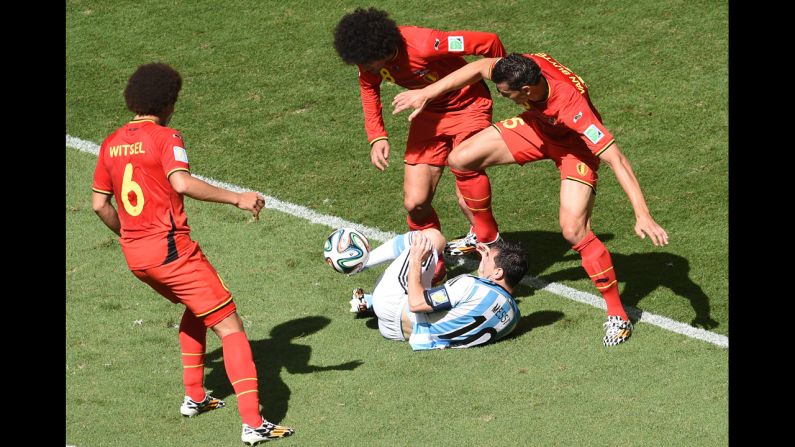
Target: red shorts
x=433 y=135
x=572 y=157
x=192 y=281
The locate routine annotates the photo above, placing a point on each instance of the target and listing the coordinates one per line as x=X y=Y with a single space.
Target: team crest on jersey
x=436 y=44
x=593 y=133
x=577 y=117
x=455 y=43
x=439 y=297
x=180 y=154
x=582 y=169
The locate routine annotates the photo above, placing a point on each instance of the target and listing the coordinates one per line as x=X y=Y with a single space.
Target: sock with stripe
x=242 y=373
x=476 y=191
x=597 y=263
x=193 y=343
x=390 y=249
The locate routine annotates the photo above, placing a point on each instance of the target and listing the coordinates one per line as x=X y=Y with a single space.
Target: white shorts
x=390 y=296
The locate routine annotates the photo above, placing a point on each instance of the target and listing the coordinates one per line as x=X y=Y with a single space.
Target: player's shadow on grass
x=639 y=273
x=535 y=320
x=270 y=356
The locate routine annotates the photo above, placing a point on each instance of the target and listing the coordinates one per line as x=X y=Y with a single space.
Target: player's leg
x=576 y=204
x=200 y=288
x=468 y=162
x=389 y=293
x=419 y=187
x=193 y=344
x=242 y=373
x=170 y=281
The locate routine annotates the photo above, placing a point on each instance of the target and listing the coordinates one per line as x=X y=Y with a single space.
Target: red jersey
x=134 y=164
x=567 y=113
x=428 y=56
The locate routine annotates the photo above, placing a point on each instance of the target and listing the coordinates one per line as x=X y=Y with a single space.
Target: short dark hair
x=366 y=35
x=152 y=88
x=511 y=259
x=516 y=70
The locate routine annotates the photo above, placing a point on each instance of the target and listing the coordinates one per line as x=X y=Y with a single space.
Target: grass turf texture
x=266 y=104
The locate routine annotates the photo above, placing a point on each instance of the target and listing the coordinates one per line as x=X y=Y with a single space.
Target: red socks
x=476 y=190
x=597 y=263
x=193 y=342
x=432 y=221
x=242 y=373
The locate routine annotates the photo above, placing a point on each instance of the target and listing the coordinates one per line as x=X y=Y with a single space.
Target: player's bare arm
x=379 y=154
x=420 y=250
x=644 y=223
x=466 y=75
x=106 y=212
x=184 y=183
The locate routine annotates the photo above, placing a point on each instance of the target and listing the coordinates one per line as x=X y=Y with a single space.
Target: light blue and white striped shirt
x=482 y=311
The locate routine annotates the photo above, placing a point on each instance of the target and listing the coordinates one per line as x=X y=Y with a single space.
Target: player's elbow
x=180 y=181
x=99 y=202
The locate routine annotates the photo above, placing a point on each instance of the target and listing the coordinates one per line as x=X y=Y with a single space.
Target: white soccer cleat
x=617 y=330
x=191 y=408
x=265 y=432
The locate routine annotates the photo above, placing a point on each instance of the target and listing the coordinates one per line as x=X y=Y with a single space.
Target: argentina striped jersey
x=481 y=312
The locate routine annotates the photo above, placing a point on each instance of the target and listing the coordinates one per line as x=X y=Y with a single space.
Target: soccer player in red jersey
x=145 y=165
x=414 y=57
x=559 y=123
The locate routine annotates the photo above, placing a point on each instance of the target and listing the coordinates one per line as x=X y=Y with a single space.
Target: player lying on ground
x=465 y=311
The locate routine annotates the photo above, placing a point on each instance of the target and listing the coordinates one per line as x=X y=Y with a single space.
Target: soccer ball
x=346 y=250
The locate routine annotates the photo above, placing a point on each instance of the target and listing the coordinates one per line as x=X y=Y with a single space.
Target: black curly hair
x=366 y=35
x=511 y=259
x=516 y=70
x=152 y=89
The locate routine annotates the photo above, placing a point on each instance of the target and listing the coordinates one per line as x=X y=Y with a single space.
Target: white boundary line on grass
x=379 y=235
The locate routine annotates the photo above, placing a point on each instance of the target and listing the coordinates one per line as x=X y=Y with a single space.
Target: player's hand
x=645 y=225
x=251 y=201
x=415 y=99
x=379 y=154
x=421 y=248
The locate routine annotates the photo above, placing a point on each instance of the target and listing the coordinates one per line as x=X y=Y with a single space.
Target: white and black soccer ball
x=346 y=250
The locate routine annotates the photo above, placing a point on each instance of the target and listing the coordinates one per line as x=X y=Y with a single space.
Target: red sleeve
x=173 y=155
x=102 y=181
x=370 y=90
x=578 y=116
x=463 y=43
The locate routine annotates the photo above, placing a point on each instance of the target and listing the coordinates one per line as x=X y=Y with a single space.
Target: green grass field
x=266 y=104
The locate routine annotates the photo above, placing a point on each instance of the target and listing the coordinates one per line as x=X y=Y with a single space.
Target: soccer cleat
x=191 y=408
x=264 y=432
x=461 y=246
x=617 y=330
x=358 y=304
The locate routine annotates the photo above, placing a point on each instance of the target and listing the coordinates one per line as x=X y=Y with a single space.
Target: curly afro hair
x=152 y=89
x=366 y=35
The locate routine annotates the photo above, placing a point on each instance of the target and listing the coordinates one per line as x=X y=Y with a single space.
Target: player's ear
x=498 y=274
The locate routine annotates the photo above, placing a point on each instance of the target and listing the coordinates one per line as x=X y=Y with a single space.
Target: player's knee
x=573 y=232
x=436 y=237
x=456 y=160
x=417 y=206
x=228 y=325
